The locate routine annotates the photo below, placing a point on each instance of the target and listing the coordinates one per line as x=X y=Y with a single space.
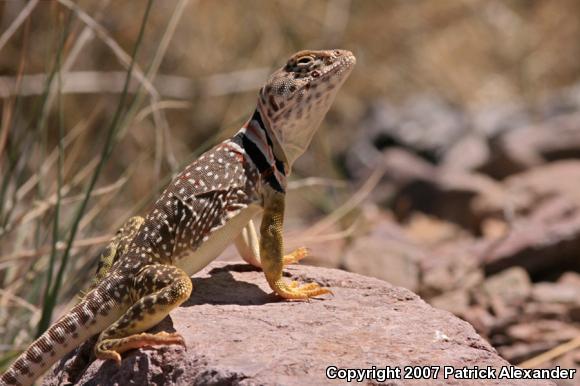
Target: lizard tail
x=90 y=316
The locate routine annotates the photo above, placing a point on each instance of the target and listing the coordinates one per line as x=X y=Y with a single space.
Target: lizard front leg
x=271 y=250
x=248 y=247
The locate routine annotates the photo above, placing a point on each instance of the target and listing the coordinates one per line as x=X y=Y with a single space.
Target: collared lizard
x=145 y=271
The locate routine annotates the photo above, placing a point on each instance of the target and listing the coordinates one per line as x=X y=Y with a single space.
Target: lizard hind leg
x=161 y=288
x=116 y=248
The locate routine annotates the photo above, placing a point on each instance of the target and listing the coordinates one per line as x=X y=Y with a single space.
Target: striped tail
x=84 y=320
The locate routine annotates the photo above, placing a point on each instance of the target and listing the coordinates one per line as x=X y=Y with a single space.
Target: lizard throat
x=257 y=144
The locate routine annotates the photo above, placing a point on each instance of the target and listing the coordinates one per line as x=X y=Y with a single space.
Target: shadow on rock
x=222 y=288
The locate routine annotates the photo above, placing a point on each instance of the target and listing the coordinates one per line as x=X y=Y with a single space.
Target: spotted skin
x=145 y=271
x=116 y=248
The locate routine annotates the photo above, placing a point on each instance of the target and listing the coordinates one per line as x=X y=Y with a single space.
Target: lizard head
x=297 y=96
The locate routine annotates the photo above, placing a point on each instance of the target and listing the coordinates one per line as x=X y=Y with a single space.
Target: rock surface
x=385 y=253
x=237 y=332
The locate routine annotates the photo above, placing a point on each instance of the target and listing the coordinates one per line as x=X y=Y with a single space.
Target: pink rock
x=237 y=332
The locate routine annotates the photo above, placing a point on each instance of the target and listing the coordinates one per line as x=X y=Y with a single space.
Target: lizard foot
x=295 y=256
x=296 y=291
x=112 y=348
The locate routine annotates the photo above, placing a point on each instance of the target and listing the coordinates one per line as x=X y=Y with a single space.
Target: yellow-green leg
x=248 y=247
x=159 y=289
x=271 y=251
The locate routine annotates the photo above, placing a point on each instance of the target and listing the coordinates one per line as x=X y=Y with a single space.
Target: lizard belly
x=219 y=239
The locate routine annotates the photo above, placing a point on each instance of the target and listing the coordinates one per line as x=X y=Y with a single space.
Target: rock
x=552 y=331
x=431 y=231
x=553 y=139
x=547 y=239
x=536 y=311
x=496 y=119
x=481 y=320
x=456 y=302
x=520 y=352
x=498 y=139
x=469 y=153
x=524 y=191
x=527 y=339
x=386 y=253
x=556 y=293
x=549 y=180
x=404 y=167
x=570 y=278
x=442 y=192
x=450 y=267
x=237 y=332
x=493 y=122
x=494 y=228
x=512 y=286
x=492 y=303
x=425 y=125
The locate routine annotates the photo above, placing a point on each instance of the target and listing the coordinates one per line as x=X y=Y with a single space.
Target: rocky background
x=479 y=213
x=449 y=164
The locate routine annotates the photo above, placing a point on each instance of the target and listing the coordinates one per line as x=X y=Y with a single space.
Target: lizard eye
x=305 y=61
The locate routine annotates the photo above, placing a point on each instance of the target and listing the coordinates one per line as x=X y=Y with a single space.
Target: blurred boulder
x=385 y=252
x=546 y=241
x=553 y=139
x=552 y=293
x=511 y=286
x=525 y=191
x=450 y=267
x=426 y=125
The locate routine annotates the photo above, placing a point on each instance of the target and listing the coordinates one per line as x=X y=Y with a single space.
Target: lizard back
x=199 y=201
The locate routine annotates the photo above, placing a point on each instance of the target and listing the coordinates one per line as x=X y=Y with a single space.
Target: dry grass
x=62 y=70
